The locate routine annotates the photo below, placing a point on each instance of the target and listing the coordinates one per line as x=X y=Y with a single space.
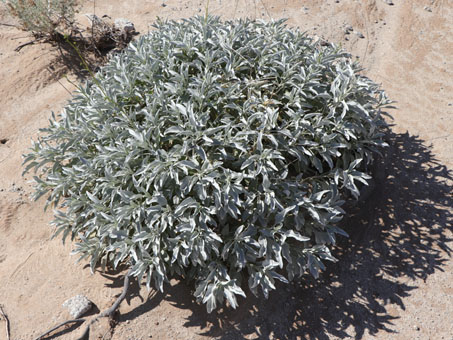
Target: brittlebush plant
x=214 y=151
x=44 y=17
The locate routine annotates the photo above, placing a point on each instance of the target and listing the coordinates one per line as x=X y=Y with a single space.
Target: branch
x=18 y=48
x=3 y=314
x=9 y=25
x=39 y=37
x=58 y=326
x=110 y=311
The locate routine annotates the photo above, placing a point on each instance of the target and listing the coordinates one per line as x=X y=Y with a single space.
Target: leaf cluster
x=216 y=151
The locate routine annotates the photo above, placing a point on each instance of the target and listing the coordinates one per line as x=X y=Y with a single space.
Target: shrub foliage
x=216 y=151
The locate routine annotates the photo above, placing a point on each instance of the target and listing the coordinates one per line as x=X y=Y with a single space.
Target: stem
x=206 y=12
x=110 y=311
x=85 y=65
x=84 y=62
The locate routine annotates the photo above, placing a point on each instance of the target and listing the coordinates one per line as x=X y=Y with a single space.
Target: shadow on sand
x=398 y=234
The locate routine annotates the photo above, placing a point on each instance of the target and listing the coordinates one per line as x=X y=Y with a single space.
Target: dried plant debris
x=108 y=35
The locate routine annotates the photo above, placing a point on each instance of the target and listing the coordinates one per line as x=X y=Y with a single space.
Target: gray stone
x=78 y=305
x=360 y=35
x=389 y=2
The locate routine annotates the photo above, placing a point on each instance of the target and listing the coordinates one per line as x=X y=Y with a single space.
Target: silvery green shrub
x=214 y=151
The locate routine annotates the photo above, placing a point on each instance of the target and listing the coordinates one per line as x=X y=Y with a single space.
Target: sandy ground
x=394 y=279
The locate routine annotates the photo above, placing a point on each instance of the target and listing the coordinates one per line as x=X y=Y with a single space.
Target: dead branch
x=18 y=48
x=5 y=317
x=110 y=311
x=9 y=25
x=58 y=326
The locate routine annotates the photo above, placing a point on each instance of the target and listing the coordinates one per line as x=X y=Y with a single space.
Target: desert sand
x=394 y=279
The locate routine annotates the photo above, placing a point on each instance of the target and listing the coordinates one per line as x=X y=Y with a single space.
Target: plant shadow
x=74 y=58
x=400 y=233
x=83 y=56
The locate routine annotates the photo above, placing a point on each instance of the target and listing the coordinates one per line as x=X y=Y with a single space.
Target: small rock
x=389 y=2
x=164 y=5
x=360 y=35
x=348 y=29
x=417 y=328
x=78 y=305
x=450 y=104
x=426 y=8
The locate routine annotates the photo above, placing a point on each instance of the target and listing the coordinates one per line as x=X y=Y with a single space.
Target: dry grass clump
x=44 y=17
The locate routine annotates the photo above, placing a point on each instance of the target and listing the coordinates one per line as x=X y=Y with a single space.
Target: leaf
x=247 y=162
x=295 y=235
x=186 y=204
x=189 y=164
x=174 y=129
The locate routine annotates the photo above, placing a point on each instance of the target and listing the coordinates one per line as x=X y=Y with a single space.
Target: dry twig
x=18 y=48
x=9 y=25
x=58 y=326
x=5 y=317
